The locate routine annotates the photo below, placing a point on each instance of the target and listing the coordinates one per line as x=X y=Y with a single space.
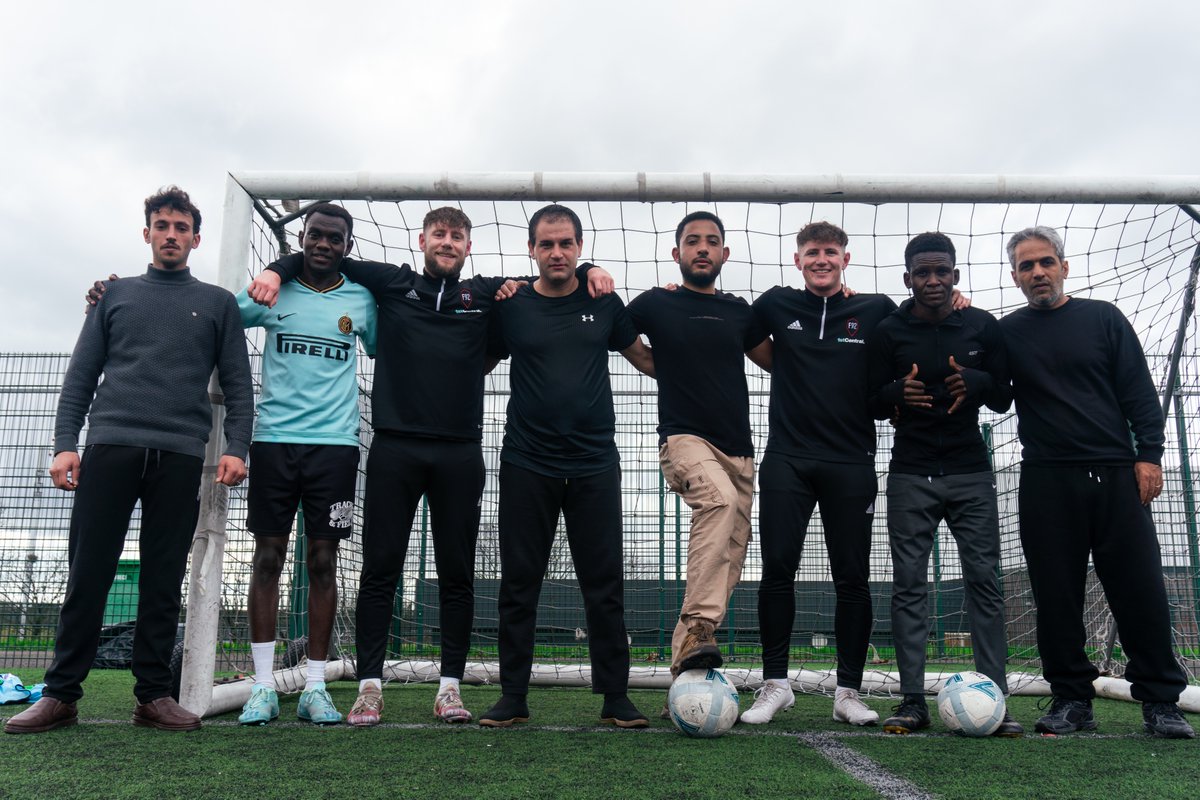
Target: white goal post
x=1138 y=239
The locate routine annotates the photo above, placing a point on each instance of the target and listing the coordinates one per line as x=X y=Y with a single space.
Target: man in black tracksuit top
x=560 y=455
x=427 y=413
x=931 y=368
x=820 y=448
x=1081 y=387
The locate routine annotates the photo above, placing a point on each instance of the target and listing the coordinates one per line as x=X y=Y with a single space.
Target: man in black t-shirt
x=427 y=412
x=699 y=337
x=820 y=449
x=1081 y=387
x=560 y=455
x=931 y=368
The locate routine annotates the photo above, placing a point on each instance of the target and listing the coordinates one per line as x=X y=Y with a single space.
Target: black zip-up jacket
x=819 y=373
x=930 y=441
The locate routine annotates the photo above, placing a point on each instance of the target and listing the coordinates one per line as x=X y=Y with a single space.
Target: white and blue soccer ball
x=971 y=703
x=703 y=703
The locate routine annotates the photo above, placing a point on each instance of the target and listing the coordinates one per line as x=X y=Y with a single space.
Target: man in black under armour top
x=700 y=338
x=931 y=368
x=560 y=455
x=1081 y=387
x=427 y=412
x=820 y=449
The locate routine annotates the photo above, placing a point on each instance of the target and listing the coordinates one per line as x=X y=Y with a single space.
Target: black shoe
x=509 y=708
x=1009 y=728
x=1067 y=716
x=1165 y=720
x=620 y=711
x=911 y=715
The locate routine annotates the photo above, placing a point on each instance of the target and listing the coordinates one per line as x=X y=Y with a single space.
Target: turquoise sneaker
x=316 y=706
x=261 y=708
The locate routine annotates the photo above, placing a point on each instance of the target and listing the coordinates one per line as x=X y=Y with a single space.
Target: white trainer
x=849 y=707
x=769 y=700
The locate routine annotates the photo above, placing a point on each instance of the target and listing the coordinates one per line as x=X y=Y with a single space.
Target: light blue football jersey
x=310 y=388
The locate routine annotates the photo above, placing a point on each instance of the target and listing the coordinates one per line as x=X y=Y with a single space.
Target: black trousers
x=591 y=507
x=450 y=475
x=1067 y=513
x=789 y=489
x=112 y=479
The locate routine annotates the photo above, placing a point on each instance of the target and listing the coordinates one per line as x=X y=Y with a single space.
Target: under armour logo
x=588 y=317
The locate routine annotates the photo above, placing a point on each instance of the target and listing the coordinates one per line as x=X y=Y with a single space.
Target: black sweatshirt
x=1082 y=386
x=819 y=373
x=929 y=441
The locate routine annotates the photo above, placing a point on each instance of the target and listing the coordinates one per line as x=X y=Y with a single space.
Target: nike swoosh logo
x=285 y=316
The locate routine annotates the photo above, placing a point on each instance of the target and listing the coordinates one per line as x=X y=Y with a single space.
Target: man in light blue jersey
x=305 y=450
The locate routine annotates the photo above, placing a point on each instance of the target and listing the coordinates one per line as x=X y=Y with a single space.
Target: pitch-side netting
x=1131 y=242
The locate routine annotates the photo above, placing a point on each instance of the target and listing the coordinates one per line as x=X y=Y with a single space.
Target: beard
x=700 y=278
x=436 y=270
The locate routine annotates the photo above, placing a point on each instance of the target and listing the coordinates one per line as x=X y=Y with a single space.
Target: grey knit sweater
x=155 y=340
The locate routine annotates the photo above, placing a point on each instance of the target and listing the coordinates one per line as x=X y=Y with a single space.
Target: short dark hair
x=822 y=232
x=176 y=199
x=449 y=216
x=331 y=210
x=698 y=215
x=931 y=242
x=551 y=213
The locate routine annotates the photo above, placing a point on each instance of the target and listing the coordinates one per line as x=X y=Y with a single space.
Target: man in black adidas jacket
x=1082 y=387
x=931 y=368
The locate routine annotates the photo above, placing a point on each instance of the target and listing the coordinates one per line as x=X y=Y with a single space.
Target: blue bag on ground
x=11 y=690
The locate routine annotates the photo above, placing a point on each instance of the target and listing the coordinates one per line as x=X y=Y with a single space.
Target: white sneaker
x=849 y=707
x=769 y=700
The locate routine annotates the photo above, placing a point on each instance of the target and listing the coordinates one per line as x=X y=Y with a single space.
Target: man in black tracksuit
x=820 y=449
x=427 y=413
x=560 y=456
x=931 y=368
x=1081 y=387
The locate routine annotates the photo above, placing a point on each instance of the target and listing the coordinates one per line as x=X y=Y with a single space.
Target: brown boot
x=700 y=649
x=44 y=715
x=165 y=715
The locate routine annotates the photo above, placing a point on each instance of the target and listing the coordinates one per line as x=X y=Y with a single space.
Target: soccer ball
x=971 y=703
x=703 y=703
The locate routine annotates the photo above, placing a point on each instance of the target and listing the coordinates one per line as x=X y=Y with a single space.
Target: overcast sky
x=101 y=103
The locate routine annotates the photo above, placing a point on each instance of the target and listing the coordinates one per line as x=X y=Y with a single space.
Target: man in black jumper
x=427 y=413
x=155 y=340
x=1081 y=387
x=699 y=338
x=931 y=368
x=560 y=456
x=820 y=449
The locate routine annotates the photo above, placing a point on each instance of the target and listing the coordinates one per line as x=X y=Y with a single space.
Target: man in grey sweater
x=155 y=340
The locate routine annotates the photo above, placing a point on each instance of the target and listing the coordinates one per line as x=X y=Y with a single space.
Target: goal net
x=1130 y=242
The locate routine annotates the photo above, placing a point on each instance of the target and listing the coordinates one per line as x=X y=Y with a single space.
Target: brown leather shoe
x=700 y=650
x=166 y=715
x=44 y=715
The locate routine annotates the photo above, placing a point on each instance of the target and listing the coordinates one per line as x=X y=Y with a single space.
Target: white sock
x=781 y=682
x=316 y=674
x=263 y=654
x=448 y=682
x=365 y=682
